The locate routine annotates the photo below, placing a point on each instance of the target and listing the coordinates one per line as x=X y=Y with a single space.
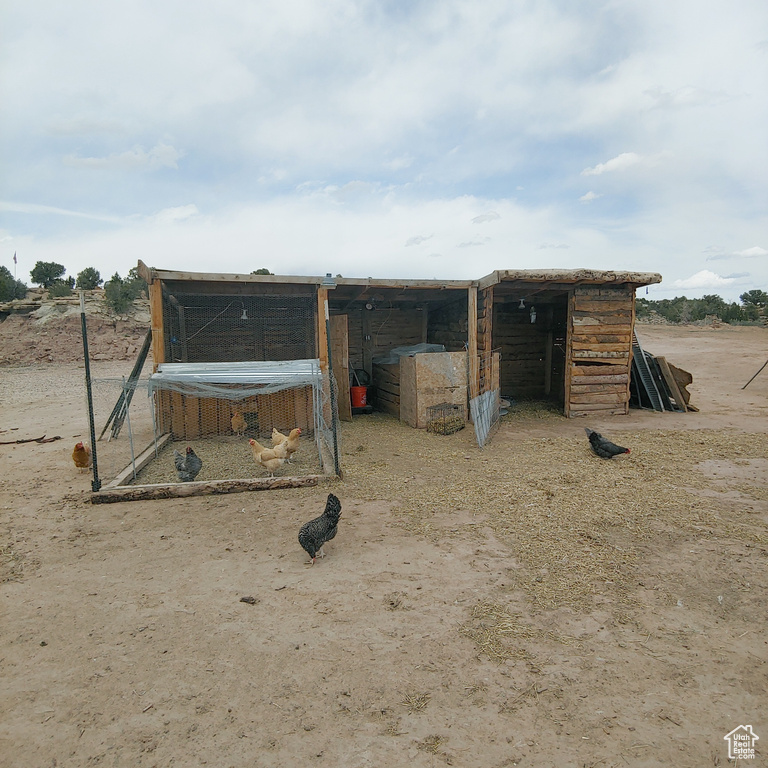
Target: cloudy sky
x=388 y=138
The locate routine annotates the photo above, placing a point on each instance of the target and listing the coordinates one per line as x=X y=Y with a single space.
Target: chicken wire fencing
x=215 y=409
x=225 y=328
x=485 y=409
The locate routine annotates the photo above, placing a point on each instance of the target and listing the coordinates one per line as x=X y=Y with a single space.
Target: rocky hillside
x=40 y=329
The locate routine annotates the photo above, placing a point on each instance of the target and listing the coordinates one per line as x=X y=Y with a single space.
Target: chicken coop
x=235 y=357
x=235 y=363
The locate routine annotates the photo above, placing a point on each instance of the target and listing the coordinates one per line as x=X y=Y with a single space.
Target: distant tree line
x=753 y=307
x=119 y=292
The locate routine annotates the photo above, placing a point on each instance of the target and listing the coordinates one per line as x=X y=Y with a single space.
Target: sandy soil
x=523 y=605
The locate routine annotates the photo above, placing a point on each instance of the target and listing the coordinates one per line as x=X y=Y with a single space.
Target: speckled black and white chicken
x=316 y=532
x=187 y=466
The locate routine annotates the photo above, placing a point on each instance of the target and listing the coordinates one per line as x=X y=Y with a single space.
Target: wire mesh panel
x=218 y=328
x=485 y=408
x=233 y=417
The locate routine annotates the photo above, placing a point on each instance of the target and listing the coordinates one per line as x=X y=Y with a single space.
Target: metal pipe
x=95 y=483
x=336 y=467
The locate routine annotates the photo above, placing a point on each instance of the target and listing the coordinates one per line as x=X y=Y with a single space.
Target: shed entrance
x=529 y=330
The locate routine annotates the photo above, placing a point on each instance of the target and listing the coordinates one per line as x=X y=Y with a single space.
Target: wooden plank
x=602 y=307
x=591 y=318
x=322 y=335
x=340 y=362
x=177 y=416
x=669 y=378
x=616 y=378
x=578 y=344
x=474 y=361
x=568 y=382
x=209 y=417
x=585 y=354
x=207 y=488
x=191 y=417
x=592 y=335
x=598 y=369
x=156 y=314
x=597 y=397
x=581 y=389
x=585 y=411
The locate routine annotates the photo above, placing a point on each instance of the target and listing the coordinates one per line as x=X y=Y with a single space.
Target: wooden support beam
x=474 y=366
x=156 y=314
x=322 y=335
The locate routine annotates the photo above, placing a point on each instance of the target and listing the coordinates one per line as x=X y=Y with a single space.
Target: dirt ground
x=527 y=604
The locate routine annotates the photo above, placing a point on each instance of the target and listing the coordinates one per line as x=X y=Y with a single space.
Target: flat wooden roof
x=567 y=276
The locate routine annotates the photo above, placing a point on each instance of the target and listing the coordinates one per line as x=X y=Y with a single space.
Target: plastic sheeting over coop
x=232 y=403
x=216 y=409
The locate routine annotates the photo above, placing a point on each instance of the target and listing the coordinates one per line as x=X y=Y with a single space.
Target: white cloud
x=483 y=218
x=589 y=197
x=752 y=253
x=704 y=279
x=619 y=163
x=178 y=213
x=417 y=240
x=160 y=156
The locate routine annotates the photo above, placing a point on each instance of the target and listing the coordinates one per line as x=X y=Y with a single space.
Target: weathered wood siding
x=447 y=325
x=386 y=382
x=599 y=350
x=188 y=418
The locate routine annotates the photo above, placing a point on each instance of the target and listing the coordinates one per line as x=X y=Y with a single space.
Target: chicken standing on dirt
x=266 y=457
x=81 y=455
x=316 y=532
x=239 y=424
x=605 y=449
x=286 y=445
x=187 y=466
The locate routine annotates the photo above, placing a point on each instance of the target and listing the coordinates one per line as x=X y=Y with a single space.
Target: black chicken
x=187 y=467
x=316 y=532
x=605 y=449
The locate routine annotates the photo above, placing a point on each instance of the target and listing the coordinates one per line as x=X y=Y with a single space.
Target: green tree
x=61 y=287
x=10 y=288
x=755 y=298
x=262 y=271
x=88 y=279
x=119 y=294
x=46 y=273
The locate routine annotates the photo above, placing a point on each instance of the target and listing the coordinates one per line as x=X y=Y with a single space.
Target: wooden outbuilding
x=563 y=335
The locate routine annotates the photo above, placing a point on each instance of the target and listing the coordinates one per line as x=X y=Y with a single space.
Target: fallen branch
x=42 y=439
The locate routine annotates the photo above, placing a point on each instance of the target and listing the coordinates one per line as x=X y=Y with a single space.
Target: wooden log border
x=208 y=488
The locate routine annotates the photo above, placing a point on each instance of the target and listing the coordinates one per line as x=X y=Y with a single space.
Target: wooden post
x=568 y=354
x=488 y=321
x=322 y=335
x=156 y=314
x=474 y=367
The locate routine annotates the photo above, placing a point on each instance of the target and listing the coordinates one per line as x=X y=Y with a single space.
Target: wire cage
x=239 y=368
x=216 y=409
x=445 y=418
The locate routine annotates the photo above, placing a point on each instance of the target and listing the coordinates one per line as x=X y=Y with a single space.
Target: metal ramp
x=644 y=374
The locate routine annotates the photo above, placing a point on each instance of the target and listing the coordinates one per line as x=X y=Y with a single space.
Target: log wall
x=599 y=350
x=447 y=325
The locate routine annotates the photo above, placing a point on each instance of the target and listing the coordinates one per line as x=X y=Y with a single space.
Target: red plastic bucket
x=359 y=396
